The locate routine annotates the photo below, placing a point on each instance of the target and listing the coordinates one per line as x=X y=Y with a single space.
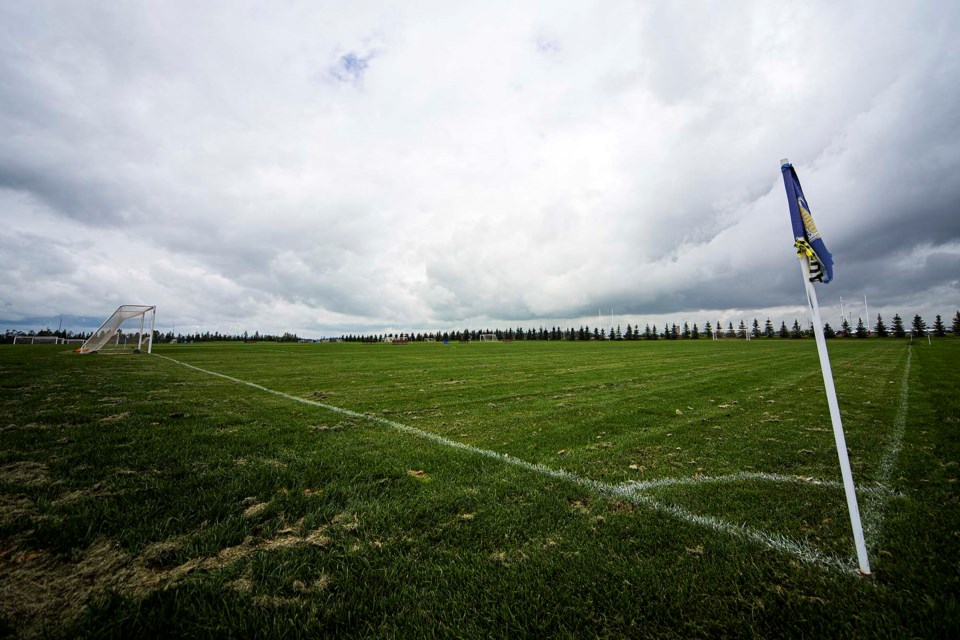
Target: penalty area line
x=627 y=491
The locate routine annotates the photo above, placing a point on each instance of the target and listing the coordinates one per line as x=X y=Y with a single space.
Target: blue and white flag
x=807 y=239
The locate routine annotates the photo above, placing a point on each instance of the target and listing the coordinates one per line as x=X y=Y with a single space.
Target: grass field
x=665 y=489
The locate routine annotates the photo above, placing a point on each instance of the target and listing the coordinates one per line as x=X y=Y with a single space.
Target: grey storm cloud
x=341 y=168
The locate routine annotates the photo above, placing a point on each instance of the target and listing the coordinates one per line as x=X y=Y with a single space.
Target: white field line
x=646 y=485
x=627 y=491
x=875 y=507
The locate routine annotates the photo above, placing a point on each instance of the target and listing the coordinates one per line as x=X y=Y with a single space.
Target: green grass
x=139 y=497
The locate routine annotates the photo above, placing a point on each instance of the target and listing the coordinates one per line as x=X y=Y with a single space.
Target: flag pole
x=834 y=406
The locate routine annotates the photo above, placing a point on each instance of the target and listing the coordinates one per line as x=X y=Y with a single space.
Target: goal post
x=111 y=331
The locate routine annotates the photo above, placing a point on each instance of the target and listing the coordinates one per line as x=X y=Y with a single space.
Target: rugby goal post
x=110 y=333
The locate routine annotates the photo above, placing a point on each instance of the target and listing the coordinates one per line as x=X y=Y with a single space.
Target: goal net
x=488 y=337
x=123 y=331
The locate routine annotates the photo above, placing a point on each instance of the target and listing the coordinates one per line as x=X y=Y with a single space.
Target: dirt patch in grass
x=115 y=417
x=255 y=510
x=40 y=590
x=25 y=472
x=13 y=508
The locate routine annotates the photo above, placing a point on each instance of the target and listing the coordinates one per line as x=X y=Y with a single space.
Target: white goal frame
x=488 y=337
x=110 y=329
x=37 y=340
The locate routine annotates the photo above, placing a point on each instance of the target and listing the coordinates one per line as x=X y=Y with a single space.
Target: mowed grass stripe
x=602 y=427
x=631 y=493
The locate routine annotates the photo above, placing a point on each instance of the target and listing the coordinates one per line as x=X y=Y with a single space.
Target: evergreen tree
x=629 y=334
x=861 y=330
x=653 y=333
x=938 y=329
x=742 y=331
x=756 y=329
x=695 y=332
x=784 y=332
x=730 y=332
x=845 y=327
x=828 y=331
x=646 y=332
x=880 y=329
x=768 y=329
x=708 y=330
x=956 y=324
x=919 y=327
x=796 y=331
x=898 y=330
x=686 y=330
x=675 y=330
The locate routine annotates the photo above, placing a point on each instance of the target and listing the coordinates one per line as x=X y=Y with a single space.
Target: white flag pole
x=831 y=392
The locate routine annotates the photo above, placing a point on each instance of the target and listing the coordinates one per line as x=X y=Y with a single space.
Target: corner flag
x=807 y=239
x=816 y=264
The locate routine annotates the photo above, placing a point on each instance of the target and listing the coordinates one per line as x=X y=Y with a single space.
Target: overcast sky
x=330 y=167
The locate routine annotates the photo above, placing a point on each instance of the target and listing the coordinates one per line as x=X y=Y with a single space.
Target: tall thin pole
x=866 y=312
x=841 y=313
x=153 y=318
x=848 y=487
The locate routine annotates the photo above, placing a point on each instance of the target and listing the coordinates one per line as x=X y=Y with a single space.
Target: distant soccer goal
x=36 y=340
x=488 y=337
x=123 y=331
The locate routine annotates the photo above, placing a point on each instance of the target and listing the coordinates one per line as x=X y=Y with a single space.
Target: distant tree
x=695 y=332
x=919 y=327
x=861 y=330
x=768 y=329
x=956 y=324
x=784 y=332
x=938 y=329
x=846 y=329
x=898 y=330
x=708 y=330
x=646 y=332
x=742 y=330
x=629 y=334
x=675 y=330
x=755 y=332
x=730 y=332
x=880 y=329
x=686 y=330
x=653 y=333
x=828 y=331
x=796 y=331
x=599 y=336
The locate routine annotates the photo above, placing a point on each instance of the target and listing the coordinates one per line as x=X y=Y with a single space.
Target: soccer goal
x=123 y=331
x=488 y=337
x=36 y=340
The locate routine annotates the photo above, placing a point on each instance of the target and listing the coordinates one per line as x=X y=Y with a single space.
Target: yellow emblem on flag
x=812 y=233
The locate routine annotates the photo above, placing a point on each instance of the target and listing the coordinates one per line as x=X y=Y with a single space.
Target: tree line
x=687 y=331
x=897 y=329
